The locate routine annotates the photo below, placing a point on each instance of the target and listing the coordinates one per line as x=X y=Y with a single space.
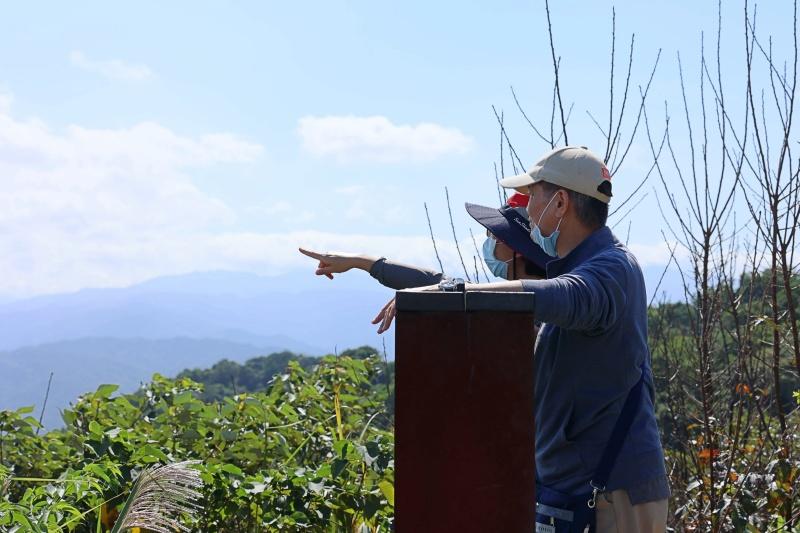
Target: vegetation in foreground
x=286 y=443
x=312 y=451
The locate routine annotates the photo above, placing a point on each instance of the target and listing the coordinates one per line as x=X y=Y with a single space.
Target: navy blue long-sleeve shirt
x=400 y=276
x=588 y=355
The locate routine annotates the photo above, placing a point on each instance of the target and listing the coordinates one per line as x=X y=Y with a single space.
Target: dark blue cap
x=511 y=226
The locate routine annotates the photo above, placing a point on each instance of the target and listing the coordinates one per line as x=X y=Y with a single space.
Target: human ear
x=562 y=203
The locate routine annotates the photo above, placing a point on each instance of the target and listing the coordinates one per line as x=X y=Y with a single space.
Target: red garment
x=518 y=200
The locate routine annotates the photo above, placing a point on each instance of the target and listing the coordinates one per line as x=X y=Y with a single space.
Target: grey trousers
x=615 y=514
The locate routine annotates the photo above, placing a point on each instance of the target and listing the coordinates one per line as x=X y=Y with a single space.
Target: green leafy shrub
x=313 y=450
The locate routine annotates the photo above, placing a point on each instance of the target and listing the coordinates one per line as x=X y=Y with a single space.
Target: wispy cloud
x=85 y=206
x=109 y=207
x=112 y=68
x=376 y=138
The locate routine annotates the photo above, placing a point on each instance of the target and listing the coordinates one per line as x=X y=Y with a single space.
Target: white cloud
x=657 y=254
x=113 y=68
x=86 y=207
x=366 y=203
x=281 y=207
x=269 y=252
x=83 y=207
x=42 y=263
x=376 y=138
x=101 y=207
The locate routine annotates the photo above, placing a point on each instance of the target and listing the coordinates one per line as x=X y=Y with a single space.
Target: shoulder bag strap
x=618 y=434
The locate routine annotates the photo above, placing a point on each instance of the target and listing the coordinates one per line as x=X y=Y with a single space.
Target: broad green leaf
x=388 y=491
x=231 y=469
x=95 y=428
x=106 y=390
x=183 y=398
x=338 y=467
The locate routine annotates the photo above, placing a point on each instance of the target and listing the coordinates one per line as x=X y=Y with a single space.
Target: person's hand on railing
x=386 y=316
x=389 y=311
x=331 y=263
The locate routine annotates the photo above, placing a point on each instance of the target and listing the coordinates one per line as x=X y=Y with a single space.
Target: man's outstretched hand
x=336 y=263
x=386 y=316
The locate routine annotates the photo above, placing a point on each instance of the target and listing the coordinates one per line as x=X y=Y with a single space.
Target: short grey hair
x=590 y=211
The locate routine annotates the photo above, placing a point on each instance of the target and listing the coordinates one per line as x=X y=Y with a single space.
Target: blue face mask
x=497 y=267
x=548 y=244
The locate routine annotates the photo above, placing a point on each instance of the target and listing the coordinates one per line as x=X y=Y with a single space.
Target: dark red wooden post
x=464 y=427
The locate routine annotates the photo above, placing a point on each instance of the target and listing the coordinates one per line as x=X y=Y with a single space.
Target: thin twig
x=507 y=140
x=386 y=367
x=44 y=403
x=542 y=137
x=628 y=212
x=455 y=238
x=483 y=267
x=664 y=272
x=556 y=63
x=433 y=239
x=499 y=188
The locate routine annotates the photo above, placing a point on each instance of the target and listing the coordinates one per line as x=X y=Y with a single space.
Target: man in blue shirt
x=593 y=346
x=592 y=349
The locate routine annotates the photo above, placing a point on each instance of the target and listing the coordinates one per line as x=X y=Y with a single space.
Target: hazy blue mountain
x=297 y=312
x=167 y=324
x=81 y=365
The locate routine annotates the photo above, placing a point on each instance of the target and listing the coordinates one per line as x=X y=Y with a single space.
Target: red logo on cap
x=604 y=173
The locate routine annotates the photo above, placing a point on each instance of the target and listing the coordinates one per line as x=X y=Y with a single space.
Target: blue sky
x=159 y=138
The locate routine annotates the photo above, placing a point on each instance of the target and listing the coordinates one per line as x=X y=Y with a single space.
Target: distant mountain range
x=297 y=312
x=167 y=324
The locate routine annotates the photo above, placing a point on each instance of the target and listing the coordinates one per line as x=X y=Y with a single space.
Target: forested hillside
x=228 y=378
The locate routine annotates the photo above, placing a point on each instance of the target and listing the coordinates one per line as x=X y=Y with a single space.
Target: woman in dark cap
x=508 y=252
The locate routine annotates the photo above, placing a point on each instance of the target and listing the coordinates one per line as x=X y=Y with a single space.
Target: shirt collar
x=600 y=239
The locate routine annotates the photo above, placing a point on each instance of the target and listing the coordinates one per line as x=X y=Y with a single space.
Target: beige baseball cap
x=572 y=167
